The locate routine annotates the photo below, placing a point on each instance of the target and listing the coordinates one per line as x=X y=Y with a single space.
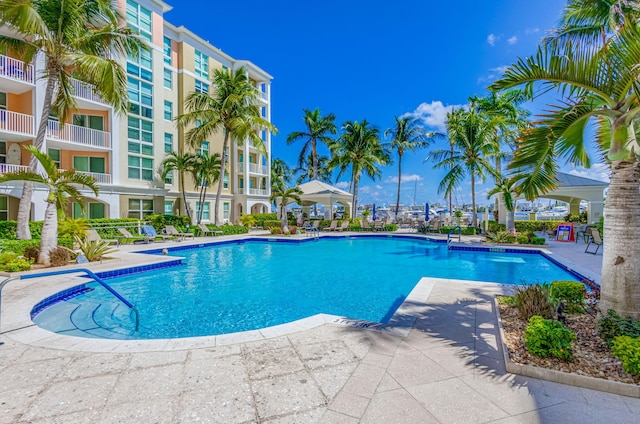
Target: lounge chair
x=332 y=227
x=595 y=240
x=379 y=226
x=364 y=225
x=92 y=235
x=435 y=226
x=170 y=230
x=343 y=226
x=126 y=236
x=151 y=234
x=205 y=230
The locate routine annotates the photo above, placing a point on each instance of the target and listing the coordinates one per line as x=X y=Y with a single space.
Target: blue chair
x=150 y=233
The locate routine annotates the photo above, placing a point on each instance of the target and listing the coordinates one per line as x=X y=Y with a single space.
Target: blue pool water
x=251 y=285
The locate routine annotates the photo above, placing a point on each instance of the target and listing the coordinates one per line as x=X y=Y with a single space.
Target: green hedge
x=262 y=217
x=522 y=226
x=467 y=231
x=271 y=223
x=18 y=246
x=8 y=229
x=627 y=349
x=546 y=337
x=159 y=221
x=229 y=229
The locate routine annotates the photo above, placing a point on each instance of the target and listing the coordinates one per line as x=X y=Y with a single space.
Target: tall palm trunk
x=223 y=163
x=474 y=220
x=621 y=255
x=400 y=182
x=49 y=237
x=314 y=156
x=283 y=217
x=184 y=196
x=355 y=198
x=496 y=202
x=201 y=201
x=24 y=208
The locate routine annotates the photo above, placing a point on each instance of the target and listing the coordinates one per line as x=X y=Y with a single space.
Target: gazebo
x=572 y=189
x=318 y=192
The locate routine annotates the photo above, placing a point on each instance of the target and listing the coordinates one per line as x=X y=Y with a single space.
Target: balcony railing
x=100 y=178
x=257 y=168
x=16 y=122
x=78 y=135
x=85 y=91
x=5 y=168
x=16 y=69
x=258 y=191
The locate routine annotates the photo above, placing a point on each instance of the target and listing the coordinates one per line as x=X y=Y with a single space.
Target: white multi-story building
x=124 y=151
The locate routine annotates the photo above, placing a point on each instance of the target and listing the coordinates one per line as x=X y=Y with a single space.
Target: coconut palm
x=359 y=149
x=61 y=185
x=76 y=38
x=470 y=135
x=206 y=172
x=319 y=128
x=182 y=164
x=282 y=196
x=599 y=85
x=407 y=136
x=231 y=108
x=506 y=187
x=306 y=171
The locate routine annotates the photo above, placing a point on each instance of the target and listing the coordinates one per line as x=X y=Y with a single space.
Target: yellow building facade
x=124 y=152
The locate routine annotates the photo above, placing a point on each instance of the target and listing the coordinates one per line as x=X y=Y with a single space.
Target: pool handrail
x=73 y=271
x=457 y=227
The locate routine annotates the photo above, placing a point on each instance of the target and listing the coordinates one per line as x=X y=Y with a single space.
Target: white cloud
x=493 y=74
x=405 y=178
x=344 y=185
x=512 y=40
x=364 y=189
x=378 y=187
x=434 y=114
x=530 y=31
x=599 y=172
x=491 y=39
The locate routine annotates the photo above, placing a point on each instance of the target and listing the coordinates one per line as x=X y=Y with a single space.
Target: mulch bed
x=592 y=356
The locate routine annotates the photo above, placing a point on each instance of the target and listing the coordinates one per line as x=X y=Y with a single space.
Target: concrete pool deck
x=447 y=369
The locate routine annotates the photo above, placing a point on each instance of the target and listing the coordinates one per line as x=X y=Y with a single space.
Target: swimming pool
x=255 y=284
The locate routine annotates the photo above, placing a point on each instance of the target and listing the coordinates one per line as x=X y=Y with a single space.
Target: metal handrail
x=73 y=271
x=457 y=227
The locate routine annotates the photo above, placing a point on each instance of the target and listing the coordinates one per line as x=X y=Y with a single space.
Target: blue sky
x=375 y=60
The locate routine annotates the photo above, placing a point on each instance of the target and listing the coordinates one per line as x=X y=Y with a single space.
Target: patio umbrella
x=373 y=215
x=426 y=211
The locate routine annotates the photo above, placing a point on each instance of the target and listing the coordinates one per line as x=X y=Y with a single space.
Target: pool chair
x=343 y=226
x=126 y=236
x=205 y=230
x=332 y=227
x=92 y=235
x=170 y=230
x=379 y=226
x=596 y=240
x=364 y=225
x=151 y=234
x=434 y=227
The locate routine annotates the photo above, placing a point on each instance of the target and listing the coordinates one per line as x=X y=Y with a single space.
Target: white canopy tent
x=318 y=192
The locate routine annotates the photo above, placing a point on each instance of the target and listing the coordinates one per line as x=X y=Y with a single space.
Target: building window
x=140 y=136
x=139 y=208
x=89 y=164
x=167 y=50
x=168 y=207
x=91 y=211
x=3 y=152
x=169 y=178
x=168 y=78
x=204 y=148
x=202 y=87
x=168 y=142
x=140 y=97
x=225 y=181
x=4 y=208
x=3 y=100
x=225 y=211
x=205 y=210
x=139 y=19
x=89 y=121
x=202 y=65
x=241 y=183
x=225 y=69
x=168 y=110
x=140 y=168
x=141 y=66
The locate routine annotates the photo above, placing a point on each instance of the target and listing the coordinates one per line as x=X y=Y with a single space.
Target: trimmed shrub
x=262 y=217
x=467 y=231
x=571 y=293
x=59 y=256
x=276 y=230
x=73 y=227
x=248 y=220
x=16 y=265
x=391 y=227
x=159 y=221
x=507 y=300
x=627 y=349
x=612 y=325
x=18 y=246
x=523 y=239
x=522 y=226
x=533 y=300
x=8 y=229
x=538 y=241
x=546 y=337
x=31 y=253
x=273 y=223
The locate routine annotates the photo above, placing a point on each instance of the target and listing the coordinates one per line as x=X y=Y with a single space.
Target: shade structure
x=373 y=215
x=318 y=192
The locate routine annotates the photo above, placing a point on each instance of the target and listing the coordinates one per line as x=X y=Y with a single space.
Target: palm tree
x=60 y=184
x=306 y=171
x=603 y=84
x=319 y=128
x=183 y=164
x=407 y=136
x=506 y=188
x=470 y=135
x=358 y=148
x=77 y=39
x=206 y=172
x=233 y=109
x=281 y=173
x=285 y=195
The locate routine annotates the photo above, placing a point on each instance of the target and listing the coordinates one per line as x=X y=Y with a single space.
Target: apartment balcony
x=16 y=76
x=256 y=168
x=253 y=191
x=263 y=96
x=100 y=178
x=86 y=96
x=76 y=137
x=6 y=168
x=16 y=126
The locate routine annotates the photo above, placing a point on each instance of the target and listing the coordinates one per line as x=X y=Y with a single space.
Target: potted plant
x=458 y=215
